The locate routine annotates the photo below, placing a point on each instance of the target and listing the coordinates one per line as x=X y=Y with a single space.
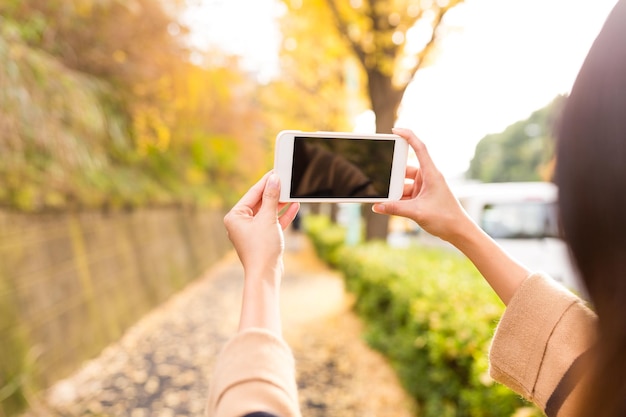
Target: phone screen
x=341 y=168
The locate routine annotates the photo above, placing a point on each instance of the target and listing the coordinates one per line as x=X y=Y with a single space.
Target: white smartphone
x=340 y=166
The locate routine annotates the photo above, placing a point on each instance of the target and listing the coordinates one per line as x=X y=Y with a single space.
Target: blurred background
x=128 y=127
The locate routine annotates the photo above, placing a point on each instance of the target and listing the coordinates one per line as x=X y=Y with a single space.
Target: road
x=162 y=365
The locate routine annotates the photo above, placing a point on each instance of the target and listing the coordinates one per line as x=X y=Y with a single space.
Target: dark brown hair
x=591 y=175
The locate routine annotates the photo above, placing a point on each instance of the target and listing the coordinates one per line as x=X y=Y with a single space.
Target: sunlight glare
x=394 y=19
x=356 y=4
x=397 y=38
x=508 y=60
x=426 y=4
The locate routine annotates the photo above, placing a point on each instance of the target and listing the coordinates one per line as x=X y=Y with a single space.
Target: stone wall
x=71 y=283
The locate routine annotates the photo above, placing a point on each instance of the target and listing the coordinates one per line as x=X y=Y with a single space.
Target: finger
x=287 y=217
x=417 y=183
x=411 y=172
x=426 y=163
x=271 y=192
x=402 y=208
x=252 y=198
x=408 y=190
x=281 y=207
x=413 y=186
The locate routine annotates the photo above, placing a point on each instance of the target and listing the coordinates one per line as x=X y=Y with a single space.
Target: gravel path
x=161 y=367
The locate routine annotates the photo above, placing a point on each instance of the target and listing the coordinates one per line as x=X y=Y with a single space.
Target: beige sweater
x=254 y=372
x=538 y=344
x=542 y=333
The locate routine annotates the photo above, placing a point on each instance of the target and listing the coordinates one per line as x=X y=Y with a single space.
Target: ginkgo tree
x=310 y=93
x=390 y=40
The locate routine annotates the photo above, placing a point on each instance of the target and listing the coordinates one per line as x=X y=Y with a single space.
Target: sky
x=503 y=60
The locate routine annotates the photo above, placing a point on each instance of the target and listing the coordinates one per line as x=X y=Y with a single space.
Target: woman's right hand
x=428 y=199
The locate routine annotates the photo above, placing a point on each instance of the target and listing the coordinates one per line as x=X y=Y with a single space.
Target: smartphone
x=340 y=166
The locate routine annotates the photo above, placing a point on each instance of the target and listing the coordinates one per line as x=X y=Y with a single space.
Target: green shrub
x=432 y=315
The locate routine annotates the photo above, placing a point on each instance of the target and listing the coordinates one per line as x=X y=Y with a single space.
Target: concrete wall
x=71 y=283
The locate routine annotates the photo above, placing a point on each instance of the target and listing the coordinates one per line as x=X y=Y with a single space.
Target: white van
x=522 y=218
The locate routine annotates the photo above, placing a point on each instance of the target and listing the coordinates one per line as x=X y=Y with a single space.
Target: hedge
x=431 y=314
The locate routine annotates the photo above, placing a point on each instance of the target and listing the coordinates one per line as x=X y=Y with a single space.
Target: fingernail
x=273 y=181
x=378 y=208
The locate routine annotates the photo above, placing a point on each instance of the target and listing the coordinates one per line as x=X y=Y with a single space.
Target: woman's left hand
x=255 y=226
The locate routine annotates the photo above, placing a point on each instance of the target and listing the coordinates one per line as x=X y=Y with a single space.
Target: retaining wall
x=71 y=283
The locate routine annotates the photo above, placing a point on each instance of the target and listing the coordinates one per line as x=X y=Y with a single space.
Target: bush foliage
x=524 y=151
x=431 y=313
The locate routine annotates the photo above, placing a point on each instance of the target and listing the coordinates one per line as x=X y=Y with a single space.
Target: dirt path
x=339 y=375
x=161 y=367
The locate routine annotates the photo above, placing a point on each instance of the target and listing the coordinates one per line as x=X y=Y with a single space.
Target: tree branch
x=421 y=55
x=343 y=30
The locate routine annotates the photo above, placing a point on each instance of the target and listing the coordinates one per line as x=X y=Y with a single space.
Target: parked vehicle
x=523 y=218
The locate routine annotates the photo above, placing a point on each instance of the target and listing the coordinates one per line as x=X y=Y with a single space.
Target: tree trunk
x=385 y=103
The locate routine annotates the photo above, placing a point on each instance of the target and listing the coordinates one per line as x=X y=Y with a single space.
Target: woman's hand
x=427 y=199
x=255 y=227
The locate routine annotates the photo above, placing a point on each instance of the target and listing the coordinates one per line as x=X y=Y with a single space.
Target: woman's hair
x=591 y=176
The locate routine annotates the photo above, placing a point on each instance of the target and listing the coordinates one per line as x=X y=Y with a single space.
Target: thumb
x=394 y=208
x=269 y=204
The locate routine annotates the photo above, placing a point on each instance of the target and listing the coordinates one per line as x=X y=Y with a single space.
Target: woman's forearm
x=503 y=273
x=260 y=306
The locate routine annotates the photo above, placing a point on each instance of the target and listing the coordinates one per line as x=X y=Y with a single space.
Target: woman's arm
x=429 y=201
x=255 y=228
x=255 y=372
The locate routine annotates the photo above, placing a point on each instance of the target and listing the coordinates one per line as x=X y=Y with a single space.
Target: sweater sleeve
x=255 y=372
x=541 y=345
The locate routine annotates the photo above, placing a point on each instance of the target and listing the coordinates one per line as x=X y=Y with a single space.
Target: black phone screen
x=341 y=168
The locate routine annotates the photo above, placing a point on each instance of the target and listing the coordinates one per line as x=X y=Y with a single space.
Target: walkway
x=161 y=367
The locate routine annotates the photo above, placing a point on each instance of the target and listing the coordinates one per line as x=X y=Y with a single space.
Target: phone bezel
x=283 y=164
